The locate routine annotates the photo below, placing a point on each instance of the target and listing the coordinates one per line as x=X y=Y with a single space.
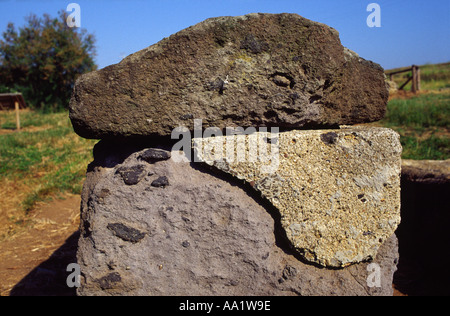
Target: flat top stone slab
x=338 y=191
x=426 y=171
x=253 y=70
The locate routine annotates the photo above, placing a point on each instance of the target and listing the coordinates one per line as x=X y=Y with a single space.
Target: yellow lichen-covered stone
x=338 y=191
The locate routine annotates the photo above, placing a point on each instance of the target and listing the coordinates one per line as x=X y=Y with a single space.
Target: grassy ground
x=43 y=160
x=423 y=119
x=423 y=122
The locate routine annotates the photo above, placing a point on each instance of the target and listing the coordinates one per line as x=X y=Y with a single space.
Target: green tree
x=43 y=59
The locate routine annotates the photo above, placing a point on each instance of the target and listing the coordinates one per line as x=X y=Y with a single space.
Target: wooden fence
x=415 y=77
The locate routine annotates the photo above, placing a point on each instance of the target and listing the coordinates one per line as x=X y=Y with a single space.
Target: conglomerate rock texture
x=201 y=234
x=338 y=191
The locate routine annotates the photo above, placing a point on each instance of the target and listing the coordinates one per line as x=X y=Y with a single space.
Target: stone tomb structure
x=295 y=200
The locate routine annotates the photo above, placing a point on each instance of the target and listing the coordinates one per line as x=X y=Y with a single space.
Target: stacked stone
x=311 y=218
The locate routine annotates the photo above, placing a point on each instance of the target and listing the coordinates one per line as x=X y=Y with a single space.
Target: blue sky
x=411 y=32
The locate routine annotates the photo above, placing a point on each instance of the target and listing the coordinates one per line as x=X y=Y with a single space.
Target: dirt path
x=34 y=260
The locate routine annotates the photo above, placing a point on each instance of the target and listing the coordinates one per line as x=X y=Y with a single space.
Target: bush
x=43 y=59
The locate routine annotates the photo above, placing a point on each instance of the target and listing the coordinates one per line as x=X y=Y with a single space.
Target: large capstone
x=254 y=70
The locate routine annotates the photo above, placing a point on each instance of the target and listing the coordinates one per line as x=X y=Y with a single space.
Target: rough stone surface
x=426 y=171
x=338 y=191
x=392 y=86
x=205 y=234
x=254 y=70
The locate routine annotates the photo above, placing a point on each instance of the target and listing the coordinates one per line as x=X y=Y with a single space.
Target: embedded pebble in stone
x=132 y=175
x=109 y=281
x=154 y=154
x=126 y=233
x=160 y=182
x=329 y=138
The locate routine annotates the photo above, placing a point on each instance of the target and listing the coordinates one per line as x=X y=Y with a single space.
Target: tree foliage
x=43 y=59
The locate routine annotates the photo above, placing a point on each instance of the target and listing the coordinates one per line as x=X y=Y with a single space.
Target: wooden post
x=414 y=79
x=16 y=104
x=418 y=78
